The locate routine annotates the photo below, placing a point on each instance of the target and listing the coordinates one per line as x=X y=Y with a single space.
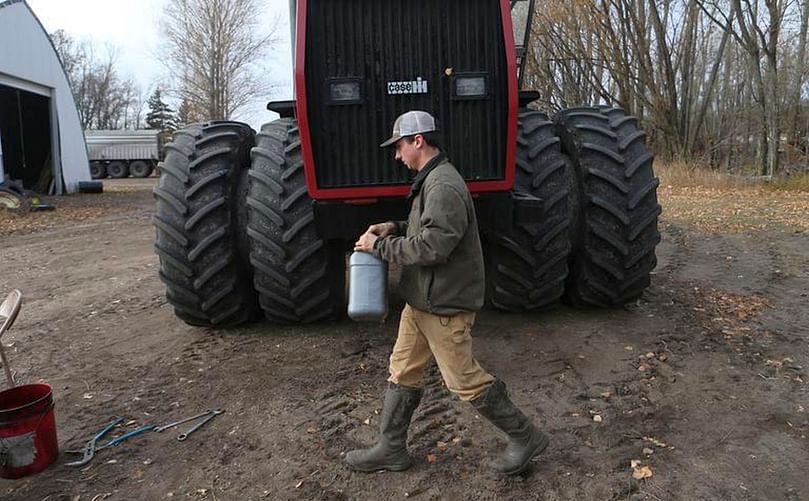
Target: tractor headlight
x=345 y=91
x=469 y=86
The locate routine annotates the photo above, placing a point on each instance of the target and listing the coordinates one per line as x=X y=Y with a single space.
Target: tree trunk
x=799 y=72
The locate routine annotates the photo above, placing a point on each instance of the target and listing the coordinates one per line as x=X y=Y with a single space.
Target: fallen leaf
x=311 y=429
x=777 y=364
x=642 y=472
x=431 y=458
x=442 y=446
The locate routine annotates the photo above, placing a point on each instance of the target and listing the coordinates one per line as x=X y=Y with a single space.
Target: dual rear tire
x=595 y=242
x=616 y=232
x=236 y=231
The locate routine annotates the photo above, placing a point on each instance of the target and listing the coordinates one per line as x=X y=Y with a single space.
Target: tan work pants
x=422 y=336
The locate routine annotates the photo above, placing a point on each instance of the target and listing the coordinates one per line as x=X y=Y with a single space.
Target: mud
x=703 y=380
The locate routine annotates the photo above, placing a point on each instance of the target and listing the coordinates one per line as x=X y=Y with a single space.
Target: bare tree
x=103 y=98
x=642 y=55
x=187 y=113
x=713 y=80
x=758 y=30
x=213 y=51
x=799 y=69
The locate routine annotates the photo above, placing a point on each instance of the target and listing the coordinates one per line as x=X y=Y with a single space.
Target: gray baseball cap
x=409 y=124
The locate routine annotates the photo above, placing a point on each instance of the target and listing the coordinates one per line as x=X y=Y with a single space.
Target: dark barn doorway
x=25 y=132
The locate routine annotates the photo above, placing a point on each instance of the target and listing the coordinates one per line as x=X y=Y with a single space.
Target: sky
x=132 y=27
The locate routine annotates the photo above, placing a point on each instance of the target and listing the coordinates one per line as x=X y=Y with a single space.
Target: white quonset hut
x=41 y=139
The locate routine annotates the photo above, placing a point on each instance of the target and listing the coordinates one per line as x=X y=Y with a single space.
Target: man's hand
x=382 y=229
x=366 y=241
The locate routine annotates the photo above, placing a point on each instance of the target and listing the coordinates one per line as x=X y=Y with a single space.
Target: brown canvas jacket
x=440 y=252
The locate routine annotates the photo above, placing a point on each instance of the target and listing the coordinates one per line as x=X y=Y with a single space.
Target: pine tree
x=160 y=115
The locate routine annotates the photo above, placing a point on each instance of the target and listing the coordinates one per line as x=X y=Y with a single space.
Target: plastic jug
x=367 y=288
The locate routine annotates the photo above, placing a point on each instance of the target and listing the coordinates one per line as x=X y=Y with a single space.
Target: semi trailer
x=121 y=153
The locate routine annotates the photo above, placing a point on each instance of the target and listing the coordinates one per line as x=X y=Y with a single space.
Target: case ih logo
x=417 y=86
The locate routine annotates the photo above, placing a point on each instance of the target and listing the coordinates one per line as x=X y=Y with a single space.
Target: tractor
x=260 y=223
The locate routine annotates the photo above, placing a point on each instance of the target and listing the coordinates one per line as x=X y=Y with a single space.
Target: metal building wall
x=29 y=62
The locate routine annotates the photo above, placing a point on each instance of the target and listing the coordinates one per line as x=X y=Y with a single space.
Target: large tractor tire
x=296 y=275
x=14 y=200
x=141 y=168
x=614 y=248
x=117 y=169
x=199 y=220
x=527 y=268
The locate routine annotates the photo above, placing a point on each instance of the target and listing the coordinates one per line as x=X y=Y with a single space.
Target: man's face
x=408 y=152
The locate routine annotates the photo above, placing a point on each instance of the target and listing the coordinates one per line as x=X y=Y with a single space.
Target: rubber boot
x=525 y=441
x=390 y=452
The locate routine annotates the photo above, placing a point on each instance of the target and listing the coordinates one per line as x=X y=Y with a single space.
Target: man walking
x=442 y=283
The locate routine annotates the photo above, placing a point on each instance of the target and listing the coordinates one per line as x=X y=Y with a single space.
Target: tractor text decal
x=417 y=86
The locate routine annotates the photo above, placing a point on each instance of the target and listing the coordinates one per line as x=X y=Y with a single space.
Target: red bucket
x=27 y=430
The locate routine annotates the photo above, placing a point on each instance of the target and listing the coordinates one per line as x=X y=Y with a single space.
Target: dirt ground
x=702 y=382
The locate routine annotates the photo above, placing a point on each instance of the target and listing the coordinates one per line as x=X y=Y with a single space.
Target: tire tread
x=196 y=222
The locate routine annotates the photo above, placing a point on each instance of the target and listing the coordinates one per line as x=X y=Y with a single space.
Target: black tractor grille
x=376 y=42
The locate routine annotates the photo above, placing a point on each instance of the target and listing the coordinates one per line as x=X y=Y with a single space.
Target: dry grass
x=723 y=203
x=799 y=182
x=720 y=210
x=685 y=175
